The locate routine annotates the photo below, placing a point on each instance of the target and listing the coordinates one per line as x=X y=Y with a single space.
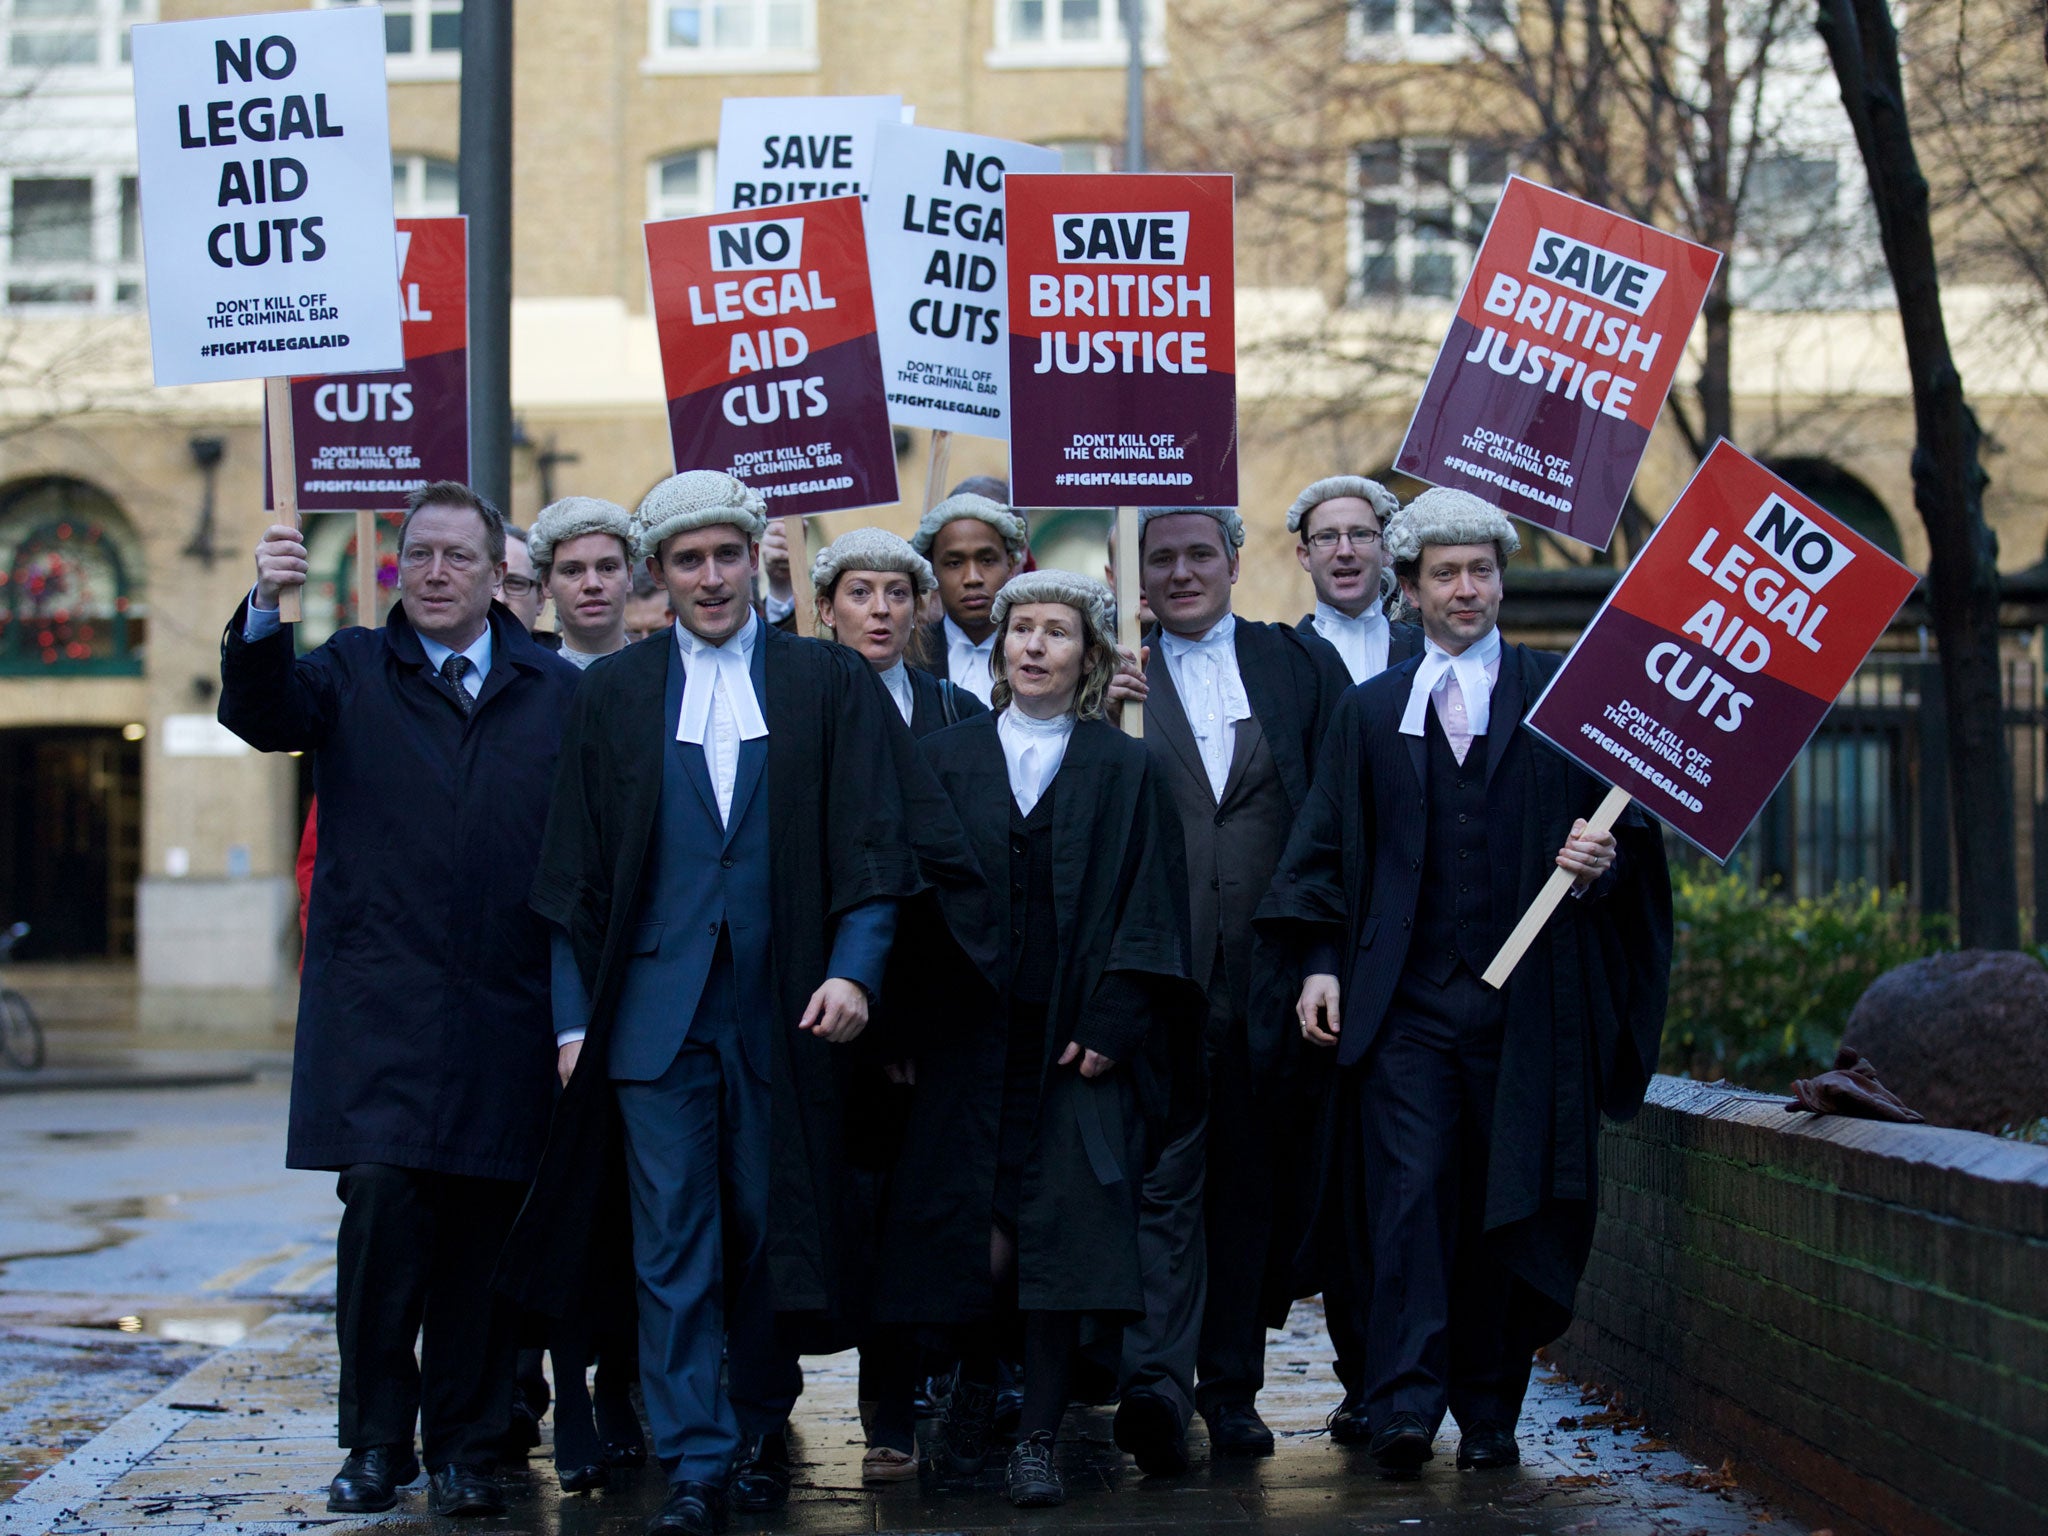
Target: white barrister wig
x=1441 y=515
x=1225 y=517
x=1330 y=487
x=999 y=517
x=871 y=549
x=1084 y=594
x=697 y=498
x=571 y=518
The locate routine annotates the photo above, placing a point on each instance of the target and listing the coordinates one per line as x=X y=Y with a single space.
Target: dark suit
x=1209 y=1240
x=690 y=1054
x=1403 y=640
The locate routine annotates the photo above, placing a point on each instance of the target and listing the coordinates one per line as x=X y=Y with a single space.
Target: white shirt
x=967 y=663
x=897 y=681
x=719 y=708
x=1461 y=689
x=1211 y=689
x=1032 y=750
x=1362 y=641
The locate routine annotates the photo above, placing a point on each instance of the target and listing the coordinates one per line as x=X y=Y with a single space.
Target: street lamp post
x=485 y=186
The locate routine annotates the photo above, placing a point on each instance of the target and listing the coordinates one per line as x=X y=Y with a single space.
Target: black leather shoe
x=693 y=1509
x=462 y=1491
x=370 y=1478
x=1485 y=1450
x=1031 y=1480
x=1348 y=1424
x=1148 y=1427
x=760 y=1474
x=582 y=1479
x=1402 y=1444
x=1235 y=1429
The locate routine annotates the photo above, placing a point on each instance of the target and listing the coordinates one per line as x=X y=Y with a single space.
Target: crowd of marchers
x=682 y=996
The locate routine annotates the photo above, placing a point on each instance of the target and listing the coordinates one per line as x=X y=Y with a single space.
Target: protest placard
x=1558 y=360
x=265 y=159
x=1720 y=650
x=937 y=259
x=1123 y=341
x=774 y=150
x=767 y=333
x=364 y=442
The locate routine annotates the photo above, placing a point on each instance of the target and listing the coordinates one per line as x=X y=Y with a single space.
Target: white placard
x=795 y=149
x=265 y=149
x=201 y=736
x=935 y=256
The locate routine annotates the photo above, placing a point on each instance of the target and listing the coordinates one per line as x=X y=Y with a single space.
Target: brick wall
x=1855 y=1313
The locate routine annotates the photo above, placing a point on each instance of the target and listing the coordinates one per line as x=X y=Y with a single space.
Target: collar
x=703 y=664
x=1222 y=636
x=694 y=644
x=897 y=680
x=956 y=638
x=1016 y=722
x=1334 y=618
x=1485 y=650
x=1474 y=667
x=478 y=651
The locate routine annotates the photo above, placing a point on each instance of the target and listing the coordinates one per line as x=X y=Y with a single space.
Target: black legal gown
x=1118 y=984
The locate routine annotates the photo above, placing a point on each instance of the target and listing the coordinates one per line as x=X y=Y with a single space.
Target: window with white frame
x=1424 y=29
x=1037 y=34
x=71 y=34
x=1421 y=208
x=423 y=187
x=680 y=186
x=730 y=36
x=1084 y=157
x=422 y=38
x=74 y=241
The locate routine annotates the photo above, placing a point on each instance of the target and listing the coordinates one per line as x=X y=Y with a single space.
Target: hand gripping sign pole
x=1554 y=889
x=284 y=485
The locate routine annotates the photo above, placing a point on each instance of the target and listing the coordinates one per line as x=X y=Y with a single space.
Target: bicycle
x=21 y=1034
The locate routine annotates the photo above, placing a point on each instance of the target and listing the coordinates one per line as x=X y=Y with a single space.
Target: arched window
x=331 y=582
x=1847 y=497
x=71 y=582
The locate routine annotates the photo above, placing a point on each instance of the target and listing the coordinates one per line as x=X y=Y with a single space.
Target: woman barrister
x=1016 y=1198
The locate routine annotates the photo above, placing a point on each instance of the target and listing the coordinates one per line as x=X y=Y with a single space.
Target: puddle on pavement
x=217 y=1326
x=86 y=1138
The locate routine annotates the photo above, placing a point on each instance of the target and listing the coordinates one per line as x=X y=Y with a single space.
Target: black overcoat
x=932 y=695
x=854 y=815
x=1584 y=1009
x=1120 y=906
x=424 y=1038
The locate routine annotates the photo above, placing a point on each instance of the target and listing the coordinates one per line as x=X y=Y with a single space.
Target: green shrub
x=1761 y=985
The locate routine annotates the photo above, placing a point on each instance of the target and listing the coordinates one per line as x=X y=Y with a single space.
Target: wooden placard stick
x=284 y=482
x=366 y=569
x=1127 y=633
x=1553 y=892
x=935 y=467
x=800 y=575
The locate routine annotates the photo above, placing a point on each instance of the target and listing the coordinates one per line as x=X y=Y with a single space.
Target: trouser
x=1436 y=1320
x=697 y=1174
x=413 y=1265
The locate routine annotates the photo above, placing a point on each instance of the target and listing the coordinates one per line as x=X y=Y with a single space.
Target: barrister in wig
x=1341 y=523
x=729 y=839
x=1018 y=1190
x=975 y=545
x=869 y=583
x=1459 y=1187
x=1235 y=713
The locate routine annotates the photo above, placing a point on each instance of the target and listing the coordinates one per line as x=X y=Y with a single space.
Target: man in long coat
x=1341 y=523
x=731 y=831
x=1234 y=716
x=422 y=1066
x=1459 y=1185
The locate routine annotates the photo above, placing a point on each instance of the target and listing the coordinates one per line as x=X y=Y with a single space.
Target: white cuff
x=568 y=1037
x=779 y=608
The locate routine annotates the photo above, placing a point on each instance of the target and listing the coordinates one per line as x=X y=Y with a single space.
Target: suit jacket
x=1403 y=639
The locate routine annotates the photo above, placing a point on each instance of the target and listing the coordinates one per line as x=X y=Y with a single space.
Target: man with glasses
x=422 y=1070
x=519 y=589
x=1340 y=521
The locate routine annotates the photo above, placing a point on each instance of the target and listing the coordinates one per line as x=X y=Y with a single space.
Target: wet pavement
x=166 y=1363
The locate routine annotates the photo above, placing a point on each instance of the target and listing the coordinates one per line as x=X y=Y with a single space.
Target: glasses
x=517 y=586
x=1330 y=538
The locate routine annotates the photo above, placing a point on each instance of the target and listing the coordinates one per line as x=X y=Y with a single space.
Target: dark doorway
x=70 y=841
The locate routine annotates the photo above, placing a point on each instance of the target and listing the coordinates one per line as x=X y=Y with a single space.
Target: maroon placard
x=768 y=351
x=366 y=441
x=1123 y=341
x=1558 y=360
x=1720 y=651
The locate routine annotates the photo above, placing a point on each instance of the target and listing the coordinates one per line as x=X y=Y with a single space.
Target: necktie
x=453 y=670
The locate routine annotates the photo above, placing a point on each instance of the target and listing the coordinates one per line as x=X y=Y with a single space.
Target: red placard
x=366 y=441
x=1718 y=653
x=768 y=349
x=1123 y=341
x=1558 y=360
